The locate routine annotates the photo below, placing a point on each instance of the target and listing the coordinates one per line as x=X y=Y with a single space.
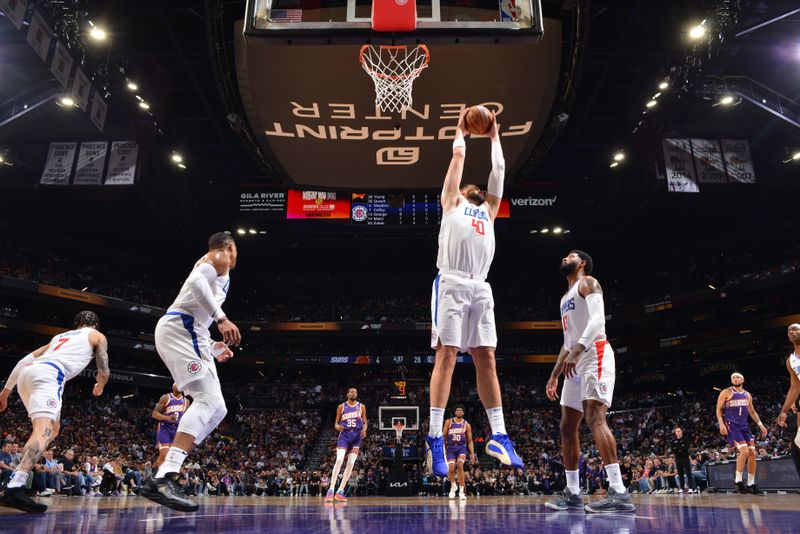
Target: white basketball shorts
x=462 y=313
x=40 y=387
x=595 y=376
x=184 y=348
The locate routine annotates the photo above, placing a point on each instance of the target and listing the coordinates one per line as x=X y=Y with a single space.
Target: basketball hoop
x=398 y=429
x=393 y=70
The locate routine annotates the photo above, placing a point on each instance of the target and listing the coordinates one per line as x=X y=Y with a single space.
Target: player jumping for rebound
x=462 y=305
x=40 y=378
x=168 y=412
x=184 y=344
x=351 y=422
x=587 y=362
x=793 y=368
x=734 y=407
x=458 y=437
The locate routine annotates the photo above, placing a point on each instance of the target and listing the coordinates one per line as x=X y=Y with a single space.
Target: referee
x=680 y=449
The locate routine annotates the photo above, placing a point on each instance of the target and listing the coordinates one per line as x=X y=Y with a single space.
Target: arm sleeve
x=498 y=174
x=200 y=286
x=597 y=319
x=12 y=378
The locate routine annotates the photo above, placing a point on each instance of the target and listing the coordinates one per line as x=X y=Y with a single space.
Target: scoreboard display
x=412 y=209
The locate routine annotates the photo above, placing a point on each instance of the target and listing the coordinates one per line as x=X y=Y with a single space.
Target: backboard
x=388 y=415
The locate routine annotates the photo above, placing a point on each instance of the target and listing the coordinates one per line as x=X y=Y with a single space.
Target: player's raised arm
x=452 y=181
x=724 y=395
x=752 y=410
x=497 y=177
x=791 y=395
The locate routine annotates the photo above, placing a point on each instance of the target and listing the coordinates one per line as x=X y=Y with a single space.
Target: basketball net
x=393 y=70
x=398 y=430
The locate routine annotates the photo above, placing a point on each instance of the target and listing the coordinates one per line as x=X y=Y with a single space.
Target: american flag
x=286 y=15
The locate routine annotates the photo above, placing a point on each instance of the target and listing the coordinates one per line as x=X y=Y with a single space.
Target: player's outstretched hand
x=97 y=390
x=230 y=333
x=552 y=388
x=221 y=352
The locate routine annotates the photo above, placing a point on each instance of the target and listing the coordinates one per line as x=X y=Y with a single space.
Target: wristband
x=459 y=142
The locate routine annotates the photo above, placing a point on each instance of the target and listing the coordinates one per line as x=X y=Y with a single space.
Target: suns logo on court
x=51 y=403
x=195 y=367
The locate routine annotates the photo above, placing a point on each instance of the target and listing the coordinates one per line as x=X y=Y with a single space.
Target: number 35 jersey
x=466 y=239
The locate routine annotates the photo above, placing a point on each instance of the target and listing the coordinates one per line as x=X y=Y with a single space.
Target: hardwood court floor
x=381 y=515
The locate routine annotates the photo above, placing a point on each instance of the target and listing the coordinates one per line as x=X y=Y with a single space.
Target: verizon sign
x=534 y=202
x=531 y=204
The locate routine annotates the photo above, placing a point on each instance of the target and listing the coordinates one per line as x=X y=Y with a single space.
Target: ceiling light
x=132 y=86
x=656 y=95
x=182 y=166
x=726 y=100
x=241 y=231
x=711 y=287
x=144 y=105
x=663 y=85
x=698 y=31
x=619 y=156
x=534 y=231
x=614 y=164
x=252 y=231
x=1 y=158
x=98 y=34
x=545 y=230
x=177 y=158
x=557 y=230
x=567 y=231
x=796 y=156
x=651 y=103
x=67 y=101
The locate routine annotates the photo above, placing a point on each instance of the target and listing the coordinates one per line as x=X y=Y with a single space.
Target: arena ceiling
x=164 y=46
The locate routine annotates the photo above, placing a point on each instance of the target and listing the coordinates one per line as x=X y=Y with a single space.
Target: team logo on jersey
x=602 y=387
x=567 y=306
x=51 y=403
x=359 y=213
x=195 y=367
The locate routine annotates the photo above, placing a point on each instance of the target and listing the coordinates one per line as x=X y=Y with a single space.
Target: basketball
x=478 y=120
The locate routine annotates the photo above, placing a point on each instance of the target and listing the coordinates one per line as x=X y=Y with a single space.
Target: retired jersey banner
x=122 y=163
x=58 y=167
x=14 y=11
x=91 y=163
x=81 y=87
x=738 y=162
x=708 y=161
x=61 y=67
x=99 y=111
x=679 y=164
x=317 y=205
x=39 y=35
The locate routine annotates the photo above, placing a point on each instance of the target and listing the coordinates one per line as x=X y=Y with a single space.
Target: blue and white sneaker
x=437 y=462
x=502 y=448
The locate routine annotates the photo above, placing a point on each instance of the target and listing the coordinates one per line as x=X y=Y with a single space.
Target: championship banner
x=81 y=86
x=61 y=67
x=99 y=111
x=39 y=35
x=738 y=162
x=58 y=166
x=317 y=205
x=122 y=163
x=679 y=164
x=91 y=163
x=708 y=161
x=14 y=11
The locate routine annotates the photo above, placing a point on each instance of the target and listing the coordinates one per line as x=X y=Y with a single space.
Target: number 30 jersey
x=466 y=239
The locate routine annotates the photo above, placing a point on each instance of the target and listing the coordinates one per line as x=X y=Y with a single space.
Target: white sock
x=496 y=420
x=18 y=479
x=437 y=420
x=463 y=490
x=615 y=478
x=172 y=462
x=751 y=479
x=573 y=481
x=738 y=476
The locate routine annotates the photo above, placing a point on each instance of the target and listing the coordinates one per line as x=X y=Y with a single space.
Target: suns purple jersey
x=351 y=417
x=456 y=434
x=177 y=406
x=737 y=408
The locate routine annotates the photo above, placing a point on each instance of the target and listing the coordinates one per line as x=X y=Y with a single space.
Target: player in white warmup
x=587 y=362
x=462 y=305
x=39 y=378
x=185 y=345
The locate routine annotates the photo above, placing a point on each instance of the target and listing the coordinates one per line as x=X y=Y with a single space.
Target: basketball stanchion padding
x=394 y=15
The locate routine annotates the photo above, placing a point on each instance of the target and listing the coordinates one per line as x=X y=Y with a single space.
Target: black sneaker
x=166 y=491
x=740 y=487
x=612 y=503
x=566 y=501
x=16 y=498
x=753 y=490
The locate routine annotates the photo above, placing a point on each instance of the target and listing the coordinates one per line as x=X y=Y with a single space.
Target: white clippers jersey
x=186 y=303
x=466 y=239
x=794 y=362
x=575 y=317
x=71 y=350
